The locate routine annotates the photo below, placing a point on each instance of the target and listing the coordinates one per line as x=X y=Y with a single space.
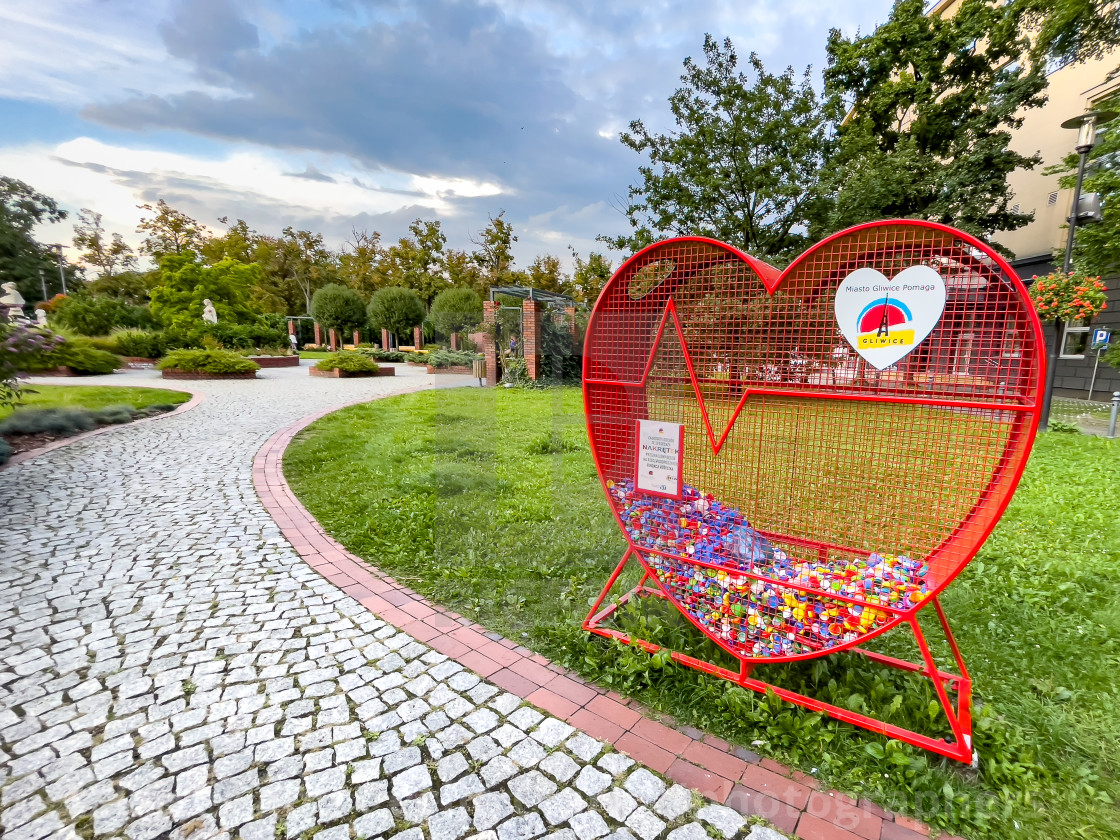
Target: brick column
x=489 y=346
x=357 y=337
x=454 y=341
x=531 y=336
x=385 y=340
x=318 y=335
x=418 y=338
x=334 y=340
x=570 y=314
x=291 y=327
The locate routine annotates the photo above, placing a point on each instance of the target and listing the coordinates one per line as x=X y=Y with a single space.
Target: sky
x=343 y=115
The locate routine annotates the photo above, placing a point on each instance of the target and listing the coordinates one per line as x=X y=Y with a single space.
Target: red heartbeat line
x=670 y=311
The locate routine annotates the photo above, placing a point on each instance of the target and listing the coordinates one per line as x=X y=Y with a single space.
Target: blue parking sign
x=1100 y=339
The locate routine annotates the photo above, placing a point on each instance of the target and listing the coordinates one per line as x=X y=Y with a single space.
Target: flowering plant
x=20 y=346
x=1068 y=297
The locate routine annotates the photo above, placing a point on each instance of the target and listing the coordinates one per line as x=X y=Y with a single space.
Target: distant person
x=295 y=344
x=513 y=346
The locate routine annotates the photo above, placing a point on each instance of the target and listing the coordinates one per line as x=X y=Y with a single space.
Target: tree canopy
x=338 y=307
x=108 y=255
x=184 y=283
x=929 y=105
x=743 y=164
x=169 y=231
x=453 y=310
x=395 y=309
x=23 y=260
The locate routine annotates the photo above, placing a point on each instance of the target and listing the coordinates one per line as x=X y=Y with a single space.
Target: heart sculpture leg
x=946 y=685
x=803 y=460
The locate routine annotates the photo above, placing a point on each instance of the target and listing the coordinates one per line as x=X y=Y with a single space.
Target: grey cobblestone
x=177 y=671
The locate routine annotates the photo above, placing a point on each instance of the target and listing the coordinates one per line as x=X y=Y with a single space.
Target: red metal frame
x=983 y=426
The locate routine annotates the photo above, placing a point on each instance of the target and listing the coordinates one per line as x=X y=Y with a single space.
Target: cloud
x=377 y=109
x=313 y=174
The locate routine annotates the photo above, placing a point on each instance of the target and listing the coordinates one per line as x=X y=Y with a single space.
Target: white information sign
x=660 y=457
x=885 y=319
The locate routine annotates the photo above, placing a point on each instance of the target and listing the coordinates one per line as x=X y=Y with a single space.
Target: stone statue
x=41 y=317
x=209 y=314
x=11 y=303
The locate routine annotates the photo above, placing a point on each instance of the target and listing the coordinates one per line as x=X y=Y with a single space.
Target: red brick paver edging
x=792 y=801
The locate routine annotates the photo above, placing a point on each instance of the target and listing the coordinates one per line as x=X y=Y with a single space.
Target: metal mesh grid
x=830 y=460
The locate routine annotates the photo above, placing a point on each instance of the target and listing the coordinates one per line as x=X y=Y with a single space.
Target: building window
x=1052 y=199
x=1056 y=63
x=1014 y=208
x=1075 y=340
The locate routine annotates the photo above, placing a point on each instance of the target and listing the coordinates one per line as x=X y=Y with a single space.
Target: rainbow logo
x=885 y=323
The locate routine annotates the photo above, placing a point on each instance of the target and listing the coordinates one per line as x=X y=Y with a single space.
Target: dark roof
x=527 y=293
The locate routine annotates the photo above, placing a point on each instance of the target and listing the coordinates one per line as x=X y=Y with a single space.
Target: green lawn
x=487 y=501
x=94 y=397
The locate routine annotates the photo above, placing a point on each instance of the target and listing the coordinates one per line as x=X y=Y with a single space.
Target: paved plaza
x=170 y=667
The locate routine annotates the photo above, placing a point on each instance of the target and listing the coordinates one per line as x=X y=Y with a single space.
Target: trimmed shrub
x=453 y=310
x=113 y=415
x=90 y=315
x=206 y=361
x=48 y=421
x=449 y=358
x=384 y=355
x=145 y=344
x=349 y=362
x=5 y=451
x=337 y=307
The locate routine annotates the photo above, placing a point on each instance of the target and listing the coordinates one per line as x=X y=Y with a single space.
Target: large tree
x=357 y=263
x=493 y=250
x=185 y=283
x=415 y=261
x=301 y=259
x=109 y=255
x=930 y=103
x=741 y=165
x=23 y=260
x=169 y=231
x=589 y=276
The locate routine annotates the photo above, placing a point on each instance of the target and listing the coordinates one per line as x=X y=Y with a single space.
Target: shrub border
x=175 y=373
x=754 y=786
x=196 y=398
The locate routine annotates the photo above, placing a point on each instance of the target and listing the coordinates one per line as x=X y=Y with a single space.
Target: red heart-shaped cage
x=869 y=490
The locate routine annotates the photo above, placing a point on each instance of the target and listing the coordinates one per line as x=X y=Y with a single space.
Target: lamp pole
x=1086 y=126
x=61 y=274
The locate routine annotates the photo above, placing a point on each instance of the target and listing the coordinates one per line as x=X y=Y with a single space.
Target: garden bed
x=453 y=369
x=276 y=361
x=335 y=373
x=174 y=373
x=497 y=513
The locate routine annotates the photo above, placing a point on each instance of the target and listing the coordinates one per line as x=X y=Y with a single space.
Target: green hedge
x=207 y=361
x=349 y=362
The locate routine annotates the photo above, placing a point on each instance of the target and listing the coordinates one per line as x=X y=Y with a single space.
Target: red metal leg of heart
x=801 y=460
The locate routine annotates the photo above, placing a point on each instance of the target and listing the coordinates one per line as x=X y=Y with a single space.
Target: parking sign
x=1100 y=339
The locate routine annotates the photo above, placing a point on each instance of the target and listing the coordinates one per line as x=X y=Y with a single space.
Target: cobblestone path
x=169 y=667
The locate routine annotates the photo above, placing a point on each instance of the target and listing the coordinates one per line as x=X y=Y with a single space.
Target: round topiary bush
x=337 y=307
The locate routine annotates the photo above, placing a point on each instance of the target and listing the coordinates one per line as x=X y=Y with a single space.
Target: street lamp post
x=61 y=274
x=1086 y=126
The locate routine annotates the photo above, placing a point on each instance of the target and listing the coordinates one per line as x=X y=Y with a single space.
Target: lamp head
x=1086 y=126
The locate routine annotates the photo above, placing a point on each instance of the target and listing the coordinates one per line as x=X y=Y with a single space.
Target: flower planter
x=453 y=369
x=276 y=361
x=174 y=373
x=335 y=373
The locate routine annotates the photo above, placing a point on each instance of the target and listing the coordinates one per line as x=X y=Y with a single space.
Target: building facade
x=1072 y=89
